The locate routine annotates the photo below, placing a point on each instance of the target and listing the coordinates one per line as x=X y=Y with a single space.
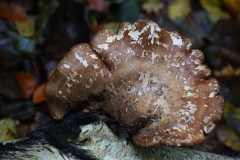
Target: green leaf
x=232 y=116
x=213 y=7
x=229 y=138
x=179 y=9
x=152 y=7
x=231 y=110
x=5 y=126
x=113 y=26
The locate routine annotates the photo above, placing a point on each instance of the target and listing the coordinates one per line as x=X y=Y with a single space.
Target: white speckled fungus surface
x=144 y=77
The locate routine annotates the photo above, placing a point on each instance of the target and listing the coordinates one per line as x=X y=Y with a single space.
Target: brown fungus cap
x=145 y=77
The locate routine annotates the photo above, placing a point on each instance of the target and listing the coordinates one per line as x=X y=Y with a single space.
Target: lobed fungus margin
x=144 y=77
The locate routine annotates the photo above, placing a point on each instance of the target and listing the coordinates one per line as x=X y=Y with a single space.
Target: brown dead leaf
x=233 y=7
x=26 y=82
x=12 y=12
x=97 y=5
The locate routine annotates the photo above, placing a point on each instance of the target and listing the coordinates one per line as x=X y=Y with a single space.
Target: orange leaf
x=38 y=95
x=233 y=7
x=97 y=5
x=26 y=83
x=12 y=12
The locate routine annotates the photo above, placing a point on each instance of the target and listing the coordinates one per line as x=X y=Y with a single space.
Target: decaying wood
x=82 y=136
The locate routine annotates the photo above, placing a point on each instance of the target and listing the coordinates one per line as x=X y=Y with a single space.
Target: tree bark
x=82 y=136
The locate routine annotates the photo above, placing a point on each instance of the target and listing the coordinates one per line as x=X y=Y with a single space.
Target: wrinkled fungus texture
x=143 y=76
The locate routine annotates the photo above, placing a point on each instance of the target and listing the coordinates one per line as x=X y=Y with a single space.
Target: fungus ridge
x=147 y=78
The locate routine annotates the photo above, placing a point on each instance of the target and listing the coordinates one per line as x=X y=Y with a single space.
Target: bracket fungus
x=144 y=77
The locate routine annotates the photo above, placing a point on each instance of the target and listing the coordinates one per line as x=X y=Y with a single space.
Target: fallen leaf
x=26 y=83
x=12 y=12
x=227 y=71
x=233 y=7
x=113 y=26
x=228 y=137
x=179 y=9
x=231 y=115
x=85 y=110
x=230 y=109
x=152 y=7
x=27 y=28
x=38 y=95
x=97 y=5
x=213 y=7
x=7 y=129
